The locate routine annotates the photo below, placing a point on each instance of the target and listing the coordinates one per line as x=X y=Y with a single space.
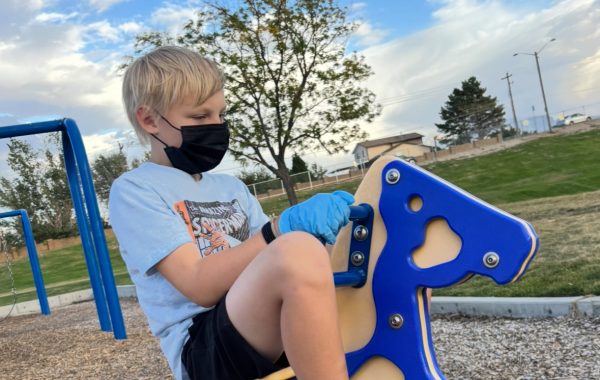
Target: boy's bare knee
x=300 y=257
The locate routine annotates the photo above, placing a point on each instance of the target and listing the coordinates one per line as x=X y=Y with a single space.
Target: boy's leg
x=285 y=300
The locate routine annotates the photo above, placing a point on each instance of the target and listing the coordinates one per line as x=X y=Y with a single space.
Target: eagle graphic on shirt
x=214 y=226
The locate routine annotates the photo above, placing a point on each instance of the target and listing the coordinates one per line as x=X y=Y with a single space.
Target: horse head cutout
x=426 y=233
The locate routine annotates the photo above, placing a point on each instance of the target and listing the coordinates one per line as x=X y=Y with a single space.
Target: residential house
x=406 y=145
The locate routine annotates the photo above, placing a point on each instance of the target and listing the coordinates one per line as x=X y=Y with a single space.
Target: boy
x=230 y=294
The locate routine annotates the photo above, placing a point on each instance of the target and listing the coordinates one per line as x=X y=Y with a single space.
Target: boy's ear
x=146 y=119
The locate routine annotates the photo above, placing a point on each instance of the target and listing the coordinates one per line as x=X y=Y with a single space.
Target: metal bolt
x=392 y=176
x=491 y=259
x=357 y=258
x=396 y=321
x=361 y=232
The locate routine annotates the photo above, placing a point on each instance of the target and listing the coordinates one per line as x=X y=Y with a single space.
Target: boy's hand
x=322 y=216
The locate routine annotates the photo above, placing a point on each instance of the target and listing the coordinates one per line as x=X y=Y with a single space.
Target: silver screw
x=361 y=233
x=357 y=258
x=491 y=259
x=396 y=321
x=392 y=176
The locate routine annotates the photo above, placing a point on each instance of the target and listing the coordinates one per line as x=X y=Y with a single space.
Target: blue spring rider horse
x=414 y=231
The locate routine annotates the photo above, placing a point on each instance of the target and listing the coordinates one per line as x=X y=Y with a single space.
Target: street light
x=537 y=63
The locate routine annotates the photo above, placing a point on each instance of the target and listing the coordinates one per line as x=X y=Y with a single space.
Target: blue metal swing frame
x=33 y=258
x=88 y=218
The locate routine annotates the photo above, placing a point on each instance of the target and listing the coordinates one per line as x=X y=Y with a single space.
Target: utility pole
x=512 y=103
x=537 y=62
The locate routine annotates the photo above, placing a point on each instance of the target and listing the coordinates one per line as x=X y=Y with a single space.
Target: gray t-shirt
x=154 y=209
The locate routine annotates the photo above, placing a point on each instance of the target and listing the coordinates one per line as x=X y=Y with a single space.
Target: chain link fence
x=306 y=180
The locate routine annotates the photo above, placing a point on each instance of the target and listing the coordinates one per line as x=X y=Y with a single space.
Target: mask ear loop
x=170 y=125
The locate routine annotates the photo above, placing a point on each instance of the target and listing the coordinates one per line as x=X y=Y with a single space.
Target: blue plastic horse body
x=492 y=243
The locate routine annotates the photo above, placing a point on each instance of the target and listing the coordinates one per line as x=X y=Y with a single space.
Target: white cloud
x=130 y=27
x=102 y=5
x=32 y=5
x=173 y=16
x=367 y=35
x=354 y=7
x=104 y=30
x=97 y=144
x=419 y=71
x=44 y=70
x=54 y=17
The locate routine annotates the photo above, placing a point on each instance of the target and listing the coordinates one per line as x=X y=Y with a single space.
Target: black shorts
x=217 y=351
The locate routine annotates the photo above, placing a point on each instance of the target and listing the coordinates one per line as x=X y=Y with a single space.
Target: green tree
x=250 y=177
x=298 y=164
x=468 y=112
x=290 y=84
x=136 y=162
x=55 y=190
x=317 y=171
x=41 y=188
x=106 y=169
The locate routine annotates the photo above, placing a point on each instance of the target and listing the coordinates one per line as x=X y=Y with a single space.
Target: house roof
x=390 y=140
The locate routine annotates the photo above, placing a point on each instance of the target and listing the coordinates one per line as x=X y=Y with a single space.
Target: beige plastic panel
x=441 y=245
x=356 y=308
x=378 y=368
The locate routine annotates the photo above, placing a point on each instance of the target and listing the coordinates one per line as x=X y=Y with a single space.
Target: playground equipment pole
x=33 y=258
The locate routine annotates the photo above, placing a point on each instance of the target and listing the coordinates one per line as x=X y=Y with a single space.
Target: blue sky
x=59 y=58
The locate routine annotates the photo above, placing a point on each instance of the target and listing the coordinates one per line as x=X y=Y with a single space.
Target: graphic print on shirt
x=211 y=223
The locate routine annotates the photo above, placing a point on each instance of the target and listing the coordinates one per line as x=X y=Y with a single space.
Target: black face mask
x=202 y=147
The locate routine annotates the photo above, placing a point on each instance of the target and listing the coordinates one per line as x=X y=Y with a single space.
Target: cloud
x=587 y=76
x=97 y=144
x=131 y=27
x=354 y=7
x=104 y=31
x=173 y=16
x=415 y=74
x=367 y=35
x=102 y=5
x=54 y=17
x=45 y=70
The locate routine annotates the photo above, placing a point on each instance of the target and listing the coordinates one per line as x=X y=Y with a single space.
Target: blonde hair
x=165 y=77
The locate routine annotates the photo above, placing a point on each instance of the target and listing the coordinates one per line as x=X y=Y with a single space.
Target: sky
x=59 y=58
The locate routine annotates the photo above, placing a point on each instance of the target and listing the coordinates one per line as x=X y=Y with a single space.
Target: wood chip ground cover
x=69 y=345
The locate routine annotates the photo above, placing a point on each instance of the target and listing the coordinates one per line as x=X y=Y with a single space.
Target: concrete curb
x=517 y=307
x=33 y=307
x=514 y=307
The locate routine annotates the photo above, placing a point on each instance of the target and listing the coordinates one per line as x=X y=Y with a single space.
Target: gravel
x=69 y=345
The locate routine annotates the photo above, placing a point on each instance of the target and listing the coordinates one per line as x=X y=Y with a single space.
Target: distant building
x=407 y=145
x=537 y=123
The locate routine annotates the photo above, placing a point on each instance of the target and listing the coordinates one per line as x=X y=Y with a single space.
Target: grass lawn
x=547 y=167
x=552 y=182
x=64 y=270
x=568 y=260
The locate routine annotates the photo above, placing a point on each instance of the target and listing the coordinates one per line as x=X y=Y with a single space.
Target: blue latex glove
x=322 y=216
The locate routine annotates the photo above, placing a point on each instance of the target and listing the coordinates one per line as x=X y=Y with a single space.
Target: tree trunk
x=284 y=175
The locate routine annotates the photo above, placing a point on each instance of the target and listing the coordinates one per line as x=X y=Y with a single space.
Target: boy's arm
x=205 y=280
